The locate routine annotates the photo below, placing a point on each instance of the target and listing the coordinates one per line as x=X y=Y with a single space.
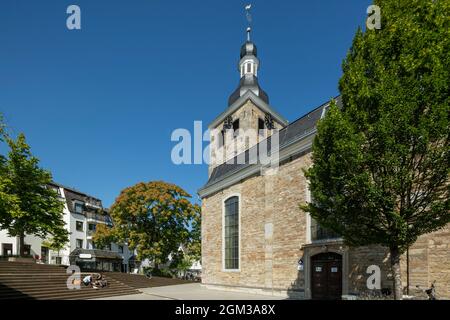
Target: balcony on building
x=92 y=227
x=92 y=203
x=97 y=217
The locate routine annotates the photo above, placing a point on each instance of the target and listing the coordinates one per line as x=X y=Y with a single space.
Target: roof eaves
x=249 y=95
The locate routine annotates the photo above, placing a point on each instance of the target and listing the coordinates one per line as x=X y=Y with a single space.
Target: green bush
x=165 y=273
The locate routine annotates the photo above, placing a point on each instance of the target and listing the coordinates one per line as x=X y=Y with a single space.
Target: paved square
x=192 y=291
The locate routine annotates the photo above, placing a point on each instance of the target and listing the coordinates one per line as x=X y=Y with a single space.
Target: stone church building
x=255 y=238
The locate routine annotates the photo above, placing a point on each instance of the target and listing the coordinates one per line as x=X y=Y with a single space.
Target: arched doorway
x=326 y=276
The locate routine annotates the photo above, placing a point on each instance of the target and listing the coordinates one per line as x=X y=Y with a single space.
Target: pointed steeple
x=248 y=68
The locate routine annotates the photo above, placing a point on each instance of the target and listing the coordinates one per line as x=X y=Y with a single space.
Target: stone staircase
x=139 y=281
x=19 y=280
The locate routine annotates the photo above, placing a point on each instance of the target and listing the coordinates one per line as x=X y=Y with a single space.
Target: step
x=82 y=291
x=32 y=281
x=52 y=292
x=56 y=291
x=6 y=272
x=34 y=266
x=34 y=287
x=70 y=295
x=112 y=294
x=43 y=281
x=63 y=290
x=32 y=269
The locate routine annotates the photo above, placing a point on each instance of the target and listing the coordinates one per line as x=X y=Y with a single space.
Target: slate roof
x=96 y=253
x=293 y=132
x=248 y=82
x=72 y=195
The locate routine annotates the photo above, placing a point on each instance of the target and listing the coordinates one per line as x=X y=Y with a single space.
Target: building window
x=120 y=249
x=90 y=245
x=79 y=243
x=92 y=226
x=7 y=249
x=261 y=127
x=231 y=233
x=317 y=231
x=235 y=127
x=249 y=67
x=320 y=233
x=79 y=226
x=221 y=139
x=58 y=260
x=109 y=222
x=78 y=207
x=26 y=250
x=56 y=189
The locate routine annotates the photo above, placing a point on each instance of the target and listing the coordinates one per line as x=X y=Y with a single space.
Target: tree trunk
x=395 y=264
x=407 y=271
x=21 y=245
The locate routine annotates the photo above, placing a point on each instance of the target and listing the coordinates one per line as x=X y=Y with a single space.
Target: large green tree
x=8 y=202
x=155 y=218
x=381 y=163
x=194 y=244
x=31 y=207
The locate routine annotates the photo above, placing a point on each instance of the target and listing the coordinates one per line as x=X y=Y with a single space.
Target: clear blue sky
x=98 y=105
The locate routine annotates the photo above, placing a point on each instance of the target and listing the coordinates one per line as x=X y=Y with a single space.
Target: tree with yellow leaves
x=155 y=218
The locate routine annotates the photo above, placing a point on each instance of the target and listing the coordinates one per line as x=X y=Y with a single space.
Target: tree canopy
x=103 y=236
x=9 y=203
x=154 y=218
x=28 y=205
x=381 y=163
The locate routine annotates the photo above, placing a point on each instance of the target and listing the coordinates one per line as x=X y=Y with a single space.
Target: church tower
x=249 y=118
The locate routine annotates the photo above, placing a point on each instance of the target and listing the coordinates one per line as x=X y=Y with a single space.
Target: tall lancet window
x=231 y=233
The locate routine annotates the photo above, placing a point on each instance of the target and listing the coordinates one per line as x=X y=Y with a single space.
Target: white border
x=223 y=231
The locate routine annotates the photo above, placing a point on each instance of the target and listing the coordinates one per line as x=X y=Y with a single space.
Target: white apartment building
x=82 y=213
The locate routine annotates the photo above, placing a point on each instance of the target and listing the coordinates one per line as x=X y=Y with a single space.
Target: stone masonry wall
x=273 y=229
x=429 y=260
x=360 y=259
x=248 y=116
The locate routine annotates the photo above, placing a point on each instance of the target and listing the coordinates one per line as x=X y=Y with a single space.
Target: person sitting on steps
x=100 y=282
x=87 y=280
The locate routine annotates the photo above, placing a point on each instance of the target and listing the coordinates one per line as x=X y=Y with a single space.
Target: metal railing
x=99 y=217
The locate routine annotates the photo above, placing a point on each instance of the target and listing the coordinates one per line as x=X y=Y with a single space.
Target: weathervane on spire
x=249 y=20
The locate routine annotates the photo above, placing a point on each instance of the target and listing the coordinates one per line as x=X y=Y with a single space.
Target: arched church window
x=319 y=232
x=231 y=233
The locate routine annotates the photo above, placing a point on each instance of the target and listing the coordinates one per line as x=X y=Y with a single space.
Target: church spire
x=248 y=67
